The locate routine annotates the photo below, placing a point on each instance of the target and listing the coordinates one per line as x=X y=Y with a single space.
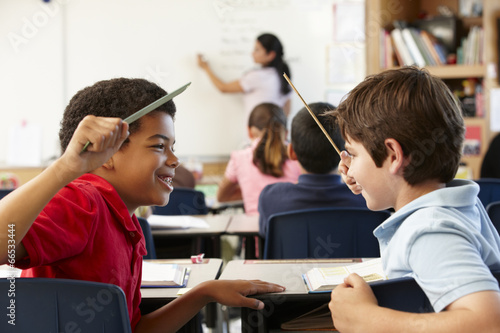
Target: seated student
x=319 y=184
x=264 y=162
x=490 y=168
x=76 y=219
x=404 y=133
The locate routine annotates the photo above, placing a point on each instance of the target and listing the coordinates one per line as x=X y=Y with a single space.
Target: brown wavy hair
x=416 y=109
x=270 y=153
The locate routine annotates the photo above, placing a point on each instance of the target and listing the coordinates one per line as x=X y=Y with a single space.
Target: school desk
x=280 y=307
x=217 y=227
x=154 y=298
x=248 y=228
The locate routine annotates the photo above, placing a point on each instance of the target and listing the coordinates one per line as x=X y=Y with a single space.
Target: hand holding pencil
x=106 y=135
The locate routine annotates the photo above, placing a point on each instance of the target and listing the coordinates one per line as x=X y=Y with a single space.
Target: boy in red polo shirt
x=76 y=219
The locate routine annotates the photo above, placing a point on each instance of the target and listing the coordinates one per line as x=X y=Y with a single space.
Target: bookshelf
x=380 y=14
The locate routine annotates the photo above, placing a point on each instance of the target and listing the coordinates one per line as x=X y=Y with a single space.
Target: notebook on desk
x=164 y=275
x=176 y=222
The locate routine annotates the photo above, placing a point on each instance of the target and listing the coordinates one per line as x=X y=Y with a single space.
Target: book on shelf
x=158 y=274
x=325 y=279
x=412 y=47
x=401 y=48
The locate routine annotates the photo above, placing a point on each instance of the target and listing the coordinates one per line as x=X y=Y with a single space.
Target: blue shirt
x=311 y=191
x=445 y=241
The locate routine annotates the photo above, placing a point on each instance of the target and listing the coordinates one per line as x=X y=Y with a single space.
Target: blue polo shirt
x=445 y=241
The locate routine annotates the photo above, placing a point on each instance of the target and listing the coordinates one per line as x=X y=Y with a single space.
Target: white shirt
x=262 y=85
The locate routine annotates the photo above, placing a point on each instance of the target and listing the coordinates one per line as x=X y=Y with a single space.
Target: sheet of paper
x=176 y=222
x=495 y=109
x=349 y=22
x=25 y=145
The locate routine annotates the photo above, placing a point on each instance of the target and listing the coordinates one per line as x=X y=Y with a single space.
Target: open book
x=164 y=275
x=326 y=278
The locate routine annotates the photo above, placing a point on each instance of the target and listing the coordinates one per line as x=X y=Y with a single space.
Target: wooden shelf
x=381 y=13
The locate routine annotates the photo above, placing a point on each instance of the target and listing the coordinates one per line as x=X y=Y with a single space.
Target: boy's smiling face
x=142 y=171
x=373 y=180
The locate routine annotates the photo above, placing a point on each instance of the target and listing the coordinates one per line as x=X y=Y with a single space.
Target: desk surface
x=217 y=226
x=287 y=273
x=243 y=225
x=208 y=270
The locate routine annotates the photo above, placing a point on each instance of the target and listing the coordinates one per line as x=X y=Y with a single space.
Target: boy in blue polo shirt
x=404 y=133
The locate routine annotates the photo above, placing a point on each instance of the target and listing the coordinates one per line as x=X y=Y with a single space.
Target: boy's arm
x=20 y=208
x=174 y=315
x=354 y=309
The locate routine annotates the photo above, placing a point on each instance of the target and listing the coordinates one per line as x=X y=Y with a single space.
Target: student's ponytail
x=271 y=43
x=270 y=153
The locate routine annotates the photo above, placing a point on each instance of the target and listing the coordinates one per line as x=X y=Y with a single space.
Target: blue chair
x=183 y=201
x=148 y=236
x=3 y=192
x=60 y=305
x=493 y=210
x=404 y=294
x=489 y=190
x=335 y=232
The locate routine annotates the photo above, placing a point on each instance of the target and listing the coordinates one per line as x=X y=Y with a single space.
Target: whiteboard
x=85 y=41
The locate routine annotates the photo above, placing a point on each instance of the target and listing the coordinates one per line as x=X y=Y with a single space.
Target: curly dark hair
x=118 y=97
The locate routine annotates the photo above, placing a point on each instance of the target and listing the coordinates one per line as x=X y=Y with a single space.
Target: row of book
x=412 y=46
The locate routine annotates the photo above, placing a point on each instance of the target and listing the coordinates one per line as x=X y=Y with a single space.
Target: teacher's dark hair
x=271 y=43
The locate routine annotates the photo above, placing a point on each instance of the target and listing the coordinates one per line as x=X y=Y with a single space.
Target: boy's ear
x=395 y=156
x=109 y=165
x=291 y=153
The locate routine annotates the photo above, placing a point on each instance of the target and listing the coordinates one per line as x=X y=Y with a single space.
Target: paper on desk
x=176 y=222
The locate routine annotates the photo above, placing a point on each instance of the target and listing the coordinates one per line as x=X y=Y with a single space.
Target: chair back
x=404 y=294
x=148 y=236
x=493 y=210
x=59 y=305
x=320 y=233
x=4 y=192
x=489 y=190
x=183 y=201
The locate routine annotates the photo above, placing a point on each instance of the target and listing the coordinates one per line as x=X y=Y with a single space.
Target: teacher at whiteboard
x=265 y=84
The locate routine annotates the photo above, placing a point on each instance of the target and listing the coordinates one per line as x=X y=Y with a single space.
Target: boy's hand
x=106 y=136
x=350 y=302
x=233 y=292
x=345 y=163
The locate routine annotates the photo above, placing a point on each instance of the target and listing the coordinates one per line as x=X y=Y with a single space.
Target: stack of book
x=407 y=45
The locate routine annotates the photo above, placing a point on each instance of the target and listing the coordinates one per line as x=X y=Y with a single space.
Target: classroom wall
x=52 y=50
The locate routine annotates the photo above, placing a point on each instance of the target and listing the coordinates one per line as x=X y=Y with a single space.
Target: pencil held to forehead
x=130 y=119
x=313 y=115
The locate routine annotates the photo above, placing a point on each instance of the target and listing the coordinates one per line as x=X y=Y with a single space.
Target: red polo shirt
x=86 y=233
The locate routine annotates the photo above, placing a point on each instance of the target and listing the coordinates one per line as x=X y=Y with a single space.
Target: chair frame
x=60 y=305
x=292 y=235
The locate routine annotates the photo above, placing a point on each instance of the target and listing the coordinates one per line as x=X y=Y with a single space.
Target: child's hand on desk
x=106 y=136
x=345 y=163
x=350 y=302
x=233 y=292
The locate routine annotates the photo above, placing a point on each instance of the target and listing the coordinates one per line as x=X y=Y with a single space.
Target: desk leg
x=253 y=321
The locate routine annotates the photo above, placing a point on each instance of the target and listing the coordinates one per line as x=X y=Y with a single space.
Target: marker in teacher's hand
x=130 y=119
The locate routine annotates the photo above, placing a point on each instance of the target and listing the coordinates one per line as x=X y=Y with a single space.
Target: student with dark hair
x=76 y=219
x=490 y=168
x=404 y=133
x=265 y=84
x=264 y=162
x=319 y=184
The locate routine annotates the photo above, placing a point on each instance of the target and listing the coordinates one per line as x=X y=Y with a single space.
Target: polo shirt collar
x=113 y=200
x=457 y=193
